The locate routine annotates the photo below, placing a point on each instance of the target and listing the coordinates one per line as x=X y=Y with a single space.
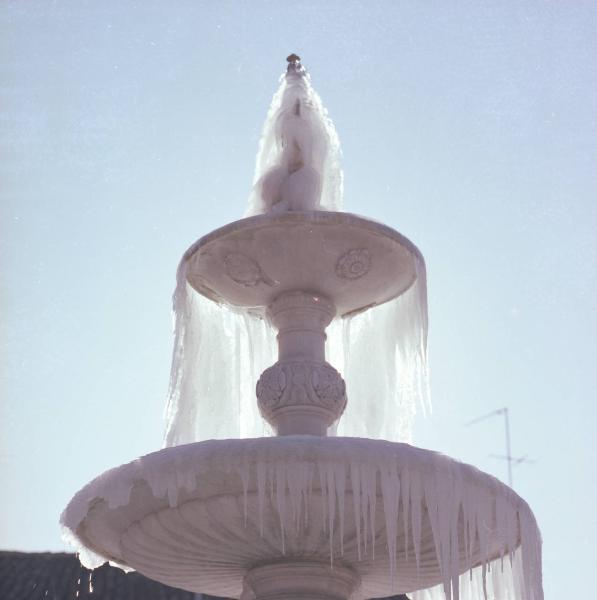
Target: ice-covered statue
x=298 y=166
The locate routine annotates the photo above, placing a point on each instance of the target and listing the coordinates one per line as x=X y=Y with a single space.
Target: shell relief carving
x=244 y=270
x=354 y=264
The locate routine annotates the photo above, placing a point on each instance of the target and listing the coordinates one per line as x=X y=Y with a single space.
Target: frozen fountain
x=304 y=512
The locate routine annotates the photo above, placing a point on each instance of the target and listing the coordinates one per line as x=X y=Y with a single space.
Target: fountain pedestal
x=299 y=580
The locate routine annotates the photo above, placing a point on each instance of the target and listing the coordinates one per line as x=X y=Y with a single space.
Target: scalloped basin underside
x=200 y=516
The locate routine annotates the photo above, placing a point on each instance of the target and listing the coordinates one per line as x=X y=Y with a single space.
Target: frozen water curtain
x=220 y=350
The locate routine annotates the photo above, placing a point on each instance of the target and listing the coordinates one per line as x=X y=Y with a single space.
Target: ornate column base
x=297 y=580
x=301 y=397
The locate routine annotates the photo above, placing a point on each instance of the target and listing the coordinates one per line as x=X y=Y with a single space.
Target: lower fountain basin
x=202 y=516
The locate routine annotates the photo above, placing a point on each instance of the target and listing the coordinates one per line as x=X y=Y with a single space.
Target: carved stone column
x=301 y=393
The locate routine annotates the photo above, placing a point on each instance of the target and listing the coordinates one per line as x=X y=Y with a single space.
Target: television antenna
x=511 y=460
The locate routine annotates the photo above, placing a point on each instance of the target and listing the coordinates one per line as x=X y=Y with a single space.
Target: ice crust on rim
x=468 y=512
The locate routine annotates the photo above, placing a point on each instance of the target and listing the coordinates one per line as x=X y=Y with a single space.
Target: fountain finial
x=294 y=66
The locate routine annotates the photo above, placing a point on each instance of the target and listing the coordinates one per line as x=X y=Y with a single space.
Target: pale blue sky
x=130 y=129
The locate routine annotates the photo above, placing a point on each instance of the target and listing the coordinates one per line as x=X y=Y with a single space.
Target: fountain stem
x=301 y=393
x=301 y=319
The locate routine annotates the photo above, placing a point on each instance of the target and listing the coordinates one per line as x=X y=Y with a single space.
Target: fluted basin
x=203 y=516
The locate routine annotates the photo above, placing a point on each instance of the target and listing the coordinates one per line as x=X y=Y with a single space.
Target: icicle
x=369 y=479
x=455 y=520
x=294 y=491
x=261 y=487
x=390 y=490
x=405 y=498
x=331 y=508
x=281 y=501
x=324 y=497
x=365 y=508
x=340 y=477
x=531 y=559
x=355 y=482
x=416 y=498
x=243 y=471
x=309 y=475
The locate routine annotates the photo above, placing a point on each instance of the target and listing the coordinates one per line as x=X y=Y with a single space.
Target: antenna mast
x=508 y=457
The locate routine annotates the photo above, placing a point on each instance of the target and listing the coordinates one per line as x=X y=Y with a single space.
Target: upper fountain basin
x=354 y=262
